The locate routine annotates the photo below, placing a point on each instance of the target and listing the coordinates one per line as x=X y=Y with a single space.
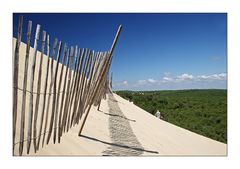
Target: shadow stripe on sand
x=121 y=133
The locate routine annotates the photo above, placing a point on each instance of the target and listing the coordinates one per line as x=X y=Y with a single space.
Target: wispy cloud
x=185 y=77
x=184 y=80
x=220 y=76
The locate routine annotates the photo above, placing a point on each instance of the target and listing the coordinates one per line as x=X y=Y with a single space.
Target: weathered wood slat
x=61 y=115
x=101 y=77
x=50 y=90
x=68 y=90
x=90 y=80
x=71 y=89
x=77 y=85
x=83 y=77
x=38 y=91
x=15 y=77
x=74 y=90
x=58 y=93
x=84 y=91
x=31 y=89
x=21 y=141
x=54 y=92
x=45 y=91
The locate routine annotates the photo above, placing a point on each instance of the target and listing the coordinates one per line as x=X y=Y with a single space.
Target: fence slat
x=83 y=77
x=50 y=90
x=77 y=84
x=31 y=89
x=45 y=90
x=24 y=88
x=61 y=116
x=84 y=88
x=101 y=77
x=58 y=92
x=68 y=90
x=15 y=76
x=90 y=80
x=54 y=92
x=38 y=91
x=73 y=88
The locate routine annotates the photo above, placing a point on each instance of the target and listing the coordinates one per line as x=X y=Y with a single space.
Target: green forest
x=201 y=111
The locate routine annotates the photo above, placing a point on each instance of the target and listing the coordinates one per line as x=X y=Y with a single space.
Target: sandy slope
x=167 y=139
x=156 y=137
x=120 y=128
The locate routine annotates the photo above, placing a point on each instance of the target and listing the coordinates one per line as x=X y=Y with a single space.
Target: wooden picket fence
x=51 y=96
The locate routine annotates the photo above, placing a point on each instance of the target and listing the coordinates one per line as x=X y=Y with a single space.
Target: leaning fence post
x=104 y=71
x=15 y=77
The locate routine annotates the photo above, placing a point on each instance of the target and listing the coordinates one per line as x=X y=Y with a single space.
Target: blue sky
x=154 y=52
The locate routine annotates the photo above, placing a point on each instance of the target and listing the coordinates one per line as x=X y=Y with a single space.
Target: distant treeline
x=201 y=111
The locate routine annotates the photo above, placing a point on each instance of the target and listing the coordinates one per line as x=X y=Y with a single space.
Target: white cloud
x=151 y=80
x=125 y=82
x=180 y=81
x=167 y=79
x=142 y=82
x=213 y=77
x=184 y=77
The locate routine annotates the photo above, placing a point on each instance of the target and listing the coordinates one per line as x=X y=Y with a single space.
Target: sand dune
x=144 y=135
x=119 y=129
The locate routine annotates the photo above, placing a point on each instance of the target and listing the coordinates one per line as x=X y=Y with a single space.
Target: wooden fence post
x=24 y=88
x=60 y=121
x=31 y=89
x=101 y=77
x=72 y=87
x=50 y=89
x=80 y=65
x=58 y=93
x=74 y=90
x=54 y=92
x=68 y=89
x=15 y=77
x=45 y=90
x=83 y=77
x=38 y=93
